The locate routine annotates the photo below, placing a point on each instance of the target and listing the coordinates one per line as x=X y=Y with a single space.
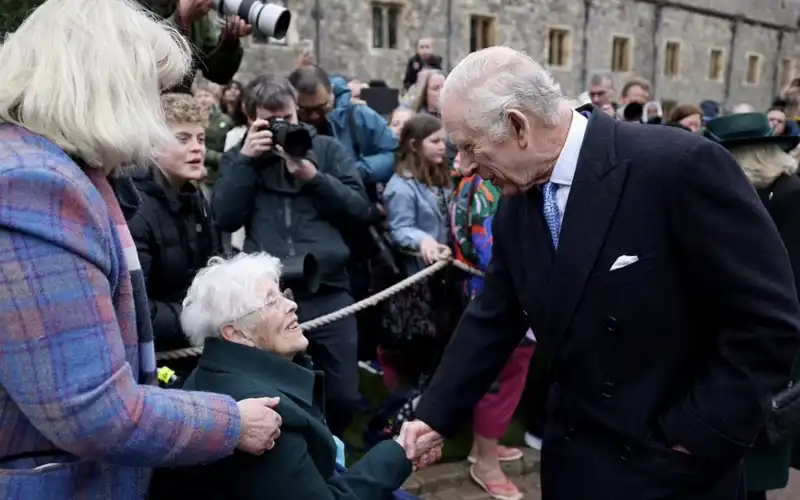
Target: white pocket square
x=624 y=261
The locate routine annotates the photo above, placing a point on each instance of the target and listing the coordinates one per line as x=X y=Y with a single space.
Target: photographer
x=292 y=207
x=217 y=54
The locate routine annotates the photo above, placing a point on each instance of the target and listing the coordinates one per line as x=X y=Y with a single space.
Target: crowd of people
x=160 y=204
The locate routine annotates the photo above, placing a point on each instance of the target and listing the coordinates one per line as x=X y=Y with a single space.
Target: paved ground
x=792 y=492
x=532 y=492
x=472 y=492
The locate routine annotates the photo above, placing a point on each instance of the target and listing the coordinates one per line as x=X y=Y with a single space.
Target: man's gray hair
x=602 y=80
x=269 y=92
x=496 y=80
x=742 y=108
x=226 y=291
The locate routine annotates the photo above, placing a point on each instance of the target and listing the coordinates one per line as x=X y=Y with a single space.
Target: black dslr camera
x=301 y=274
x=294 y=139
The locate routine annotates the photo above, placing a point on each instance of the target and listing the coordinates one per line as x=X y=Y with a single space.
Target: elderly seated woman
x=253 y=347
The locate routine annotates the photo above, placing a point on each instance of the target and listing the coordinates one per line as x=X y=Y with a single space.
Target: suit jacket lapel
x=537 y=247
x=593 y=199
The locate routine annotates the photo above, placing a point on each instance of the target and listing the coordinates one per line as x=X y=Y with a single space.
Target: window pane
x=487 y=34
x=616 y=55
x=473 y=34
x=377 y=26
x=394 y=15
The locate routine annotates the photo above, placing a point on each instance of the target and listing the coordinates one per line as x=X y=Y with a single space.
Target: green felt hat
x=746 y=128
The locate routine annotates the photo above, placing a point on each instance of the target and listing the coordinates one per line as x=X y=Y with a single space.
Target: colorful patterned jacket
x=75 y=422
x=472 y=209
x=474 y=203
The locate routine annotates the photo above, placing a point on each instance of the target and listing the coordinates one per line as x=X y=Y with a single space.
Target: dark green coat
x=219 y=124
x=301 y=465
x=767 y=465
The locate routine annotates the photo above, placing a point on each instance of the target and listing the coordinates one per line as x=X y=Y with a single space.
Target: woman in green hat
x=764 y=160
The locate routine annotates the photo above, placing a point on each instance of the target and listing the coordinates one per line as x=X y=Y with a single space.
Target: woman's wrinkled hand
x=261 y=425
x=433 y=251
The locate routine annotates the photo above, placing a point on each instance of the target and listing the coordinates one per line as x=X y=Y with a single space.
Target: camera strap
x=351 y=117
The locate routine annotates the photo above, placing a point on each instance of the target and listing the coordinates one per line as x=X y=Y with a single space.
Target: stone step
x=530 y=486
x=452 y=478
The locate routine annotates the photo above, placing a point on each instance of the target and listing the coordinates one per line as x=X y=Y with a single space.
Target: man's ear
x=519 y=125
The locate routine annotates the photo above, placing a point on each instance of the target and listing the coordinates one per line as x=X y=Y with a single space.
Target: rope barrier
x=370 y=301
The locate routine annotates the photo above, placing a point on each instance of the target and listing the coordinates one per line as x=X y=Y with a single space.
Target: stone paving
x=450 y=482
x=792 y=492
x=532 y=488
x=469 y=491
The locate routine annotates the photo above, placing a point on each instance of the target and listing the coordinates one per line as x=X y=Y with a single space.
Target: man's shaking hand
x=423 y=445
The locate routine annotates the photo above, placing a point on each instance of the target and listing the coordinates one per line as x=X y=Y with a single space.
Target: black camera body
x=301 y=274
x=294 y=139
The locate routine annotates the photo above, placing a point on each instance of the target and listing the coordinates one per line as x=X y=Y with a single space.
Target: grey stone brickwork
x=738 y=27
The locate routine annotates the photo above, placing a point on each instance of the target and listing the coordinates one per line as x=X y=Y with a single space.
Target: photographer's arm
x=218 y=58
x=377 y=167
x=234 y=191
x=337 y=190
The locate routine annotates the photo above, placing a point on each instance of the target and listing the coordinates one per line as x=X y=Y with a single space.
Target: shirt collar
x=567 y=161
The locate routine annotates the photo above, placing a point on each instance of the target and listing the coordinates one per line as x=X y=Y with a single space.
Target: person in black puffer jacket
x=173 y=229
x=295 y=208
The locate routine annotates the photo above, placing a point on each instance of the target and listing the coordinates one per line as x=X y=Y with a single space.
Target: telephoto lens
x=267 y=18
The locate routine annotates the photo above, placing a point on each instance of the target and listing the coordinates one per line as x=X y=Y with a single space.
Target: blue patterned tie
x=552 y=215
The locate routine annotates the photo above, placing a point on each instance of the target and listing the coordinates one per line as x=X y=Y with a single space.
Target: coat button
x=608 y=390
x=611 y=324
x=626 y=453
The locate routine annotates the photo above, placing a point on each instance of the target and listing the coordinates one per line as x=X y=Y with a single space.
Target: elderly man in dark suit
x=656 y=284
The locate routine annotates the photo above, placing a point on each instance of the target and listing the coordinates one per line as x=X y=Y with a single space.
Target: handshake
x=422 y=444
x=261 y=428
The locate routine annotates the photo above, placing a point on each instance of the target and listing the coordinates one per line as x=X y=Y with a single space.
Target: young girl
x=416 y=200
x=399 y=118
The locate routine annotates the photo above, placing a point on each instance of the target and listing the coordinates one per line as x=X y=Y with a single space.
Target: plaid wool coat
x=75 y=422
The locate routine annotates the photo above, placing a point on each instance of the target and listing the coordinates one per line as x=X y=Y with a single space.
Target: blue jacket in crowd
x=372 y=142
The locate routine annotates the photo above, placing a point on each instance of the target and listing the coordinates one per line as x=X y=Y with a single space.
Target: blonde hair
x=87 y=74
x=182 y=108
x=420 y=104
x=764 y=163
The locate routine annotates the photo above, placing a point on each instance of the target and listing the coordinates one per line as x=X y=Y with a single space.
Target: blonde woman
x=764 y=161
x=80 y=416
x=427 y=97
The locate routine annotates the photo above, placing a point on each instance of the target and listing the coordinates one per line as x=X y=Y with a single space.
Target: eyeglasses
x=318 y=109
x=272 y=301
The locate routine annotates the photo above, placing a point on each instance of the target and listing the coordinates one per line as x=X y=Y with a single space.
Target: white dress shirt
x=567 y=162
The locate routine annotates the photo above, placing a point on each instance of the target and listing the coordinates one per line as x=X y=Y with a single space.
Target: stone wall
x=346 y=40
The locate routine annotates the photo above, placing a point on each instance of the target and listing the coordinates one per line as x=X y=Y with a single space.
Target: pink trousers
x=493 y=413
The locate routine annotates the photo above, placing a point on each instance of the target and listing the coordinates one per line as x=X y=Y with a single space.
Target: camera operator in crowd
x=293 y=206
x=217 y=54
